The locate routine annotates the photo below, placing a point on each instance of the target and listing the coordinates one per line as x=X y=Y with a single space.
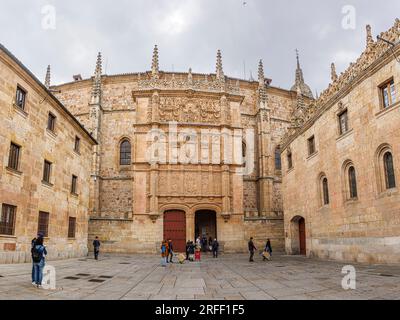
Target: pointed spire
x=190 y=76
x=333 y=72
x=47 y=80
x=370 y=40
x=261 y=77
x=155 y=68
x=299 y=80
x=251 y=79
x=219 y=69
x=96 y=90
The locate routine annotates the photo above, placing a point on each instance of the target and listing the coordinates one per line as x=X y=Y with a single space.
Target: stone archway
x=298 y=235
x=205 y=222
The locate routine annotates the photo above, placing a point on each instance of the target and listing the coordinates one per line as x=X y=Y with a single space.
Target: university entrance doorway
x=205 y=223
x=298 y=235
x=175 y=229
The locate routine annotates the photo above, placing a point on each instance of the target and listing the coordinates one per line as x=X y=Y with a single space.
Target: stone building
x=169 y=163
x=341 y=162
x=45 y=169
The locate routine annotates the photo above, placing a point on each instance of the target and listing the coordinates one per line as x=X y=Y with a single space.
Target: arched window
x=125 y=153
x=325 y=191
x=244 y=152
x=389 y=170
x=278 y=162
x=352 y=183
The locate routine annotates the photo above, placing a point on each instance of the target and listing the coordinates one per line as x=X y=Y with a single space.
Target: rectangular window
x=46 y=171
x=311 y=145
x=7 y=219
x=388 y=93
x=20 y=98
x=71 y=227
x=43 y=223
x=290 y=160
x=74 y=184
x=51 y=122
x=343 y=122
x=13 y=158
x=77 y=144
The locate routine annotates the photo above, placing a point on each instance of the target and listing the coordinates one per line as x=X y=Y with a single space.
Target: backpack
x=37 y=254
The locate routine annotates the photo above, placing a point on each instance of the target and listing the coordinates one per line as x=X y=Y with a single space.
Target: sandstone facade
x=341 y=198
x=22 y=186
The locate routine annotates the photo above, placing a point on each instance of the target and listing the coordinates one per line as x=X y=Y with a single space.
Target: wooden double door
x=175 y=229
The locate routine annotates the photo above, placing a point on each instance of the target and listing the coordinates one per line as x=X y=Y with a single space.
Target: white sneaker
x=34 y=283
x=39 y=286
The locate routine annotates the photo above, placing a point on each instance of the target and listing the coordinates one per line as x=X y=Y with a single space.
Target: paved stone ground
x=140 y=277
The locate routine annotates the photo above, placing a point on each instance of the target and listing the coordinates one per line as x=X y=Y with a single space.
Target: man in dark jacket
x=252 y=248
x=96 y=248
x=40 y=235
x=171 y=250
x=215 y=246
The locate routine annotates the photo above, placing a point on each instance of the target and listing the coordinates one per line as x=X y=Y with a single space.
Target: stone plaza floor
x=230 y=277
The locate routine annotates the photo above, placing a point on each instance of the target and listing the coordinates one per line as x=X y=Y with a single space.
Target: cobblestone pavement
x=228 y=277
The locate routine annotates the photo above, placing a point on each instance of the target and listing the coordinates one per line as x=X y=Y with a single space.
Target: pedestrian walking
x=164 y=254
x=215 y=246
x=38 y=257
x=188 y=244
x=96 y=248
x=252 y=248
x=171 y=250
x=267 y=250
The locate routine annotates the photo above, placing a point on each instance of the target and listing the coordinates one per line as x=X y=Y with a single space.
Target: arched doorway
x=298 y=235
x=205 y=224
x=175 y=229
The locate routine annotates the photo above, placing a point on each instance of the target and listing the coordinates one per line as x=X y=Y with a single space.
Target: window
x=77 y=145
x=7 y=219
x=51 y=122
x=290 y=160
x=311 y=146
x=46 y=171
x=71 y=227
x=74 y=184
x=43 y=223
x=352 y=183
x=278 y=162
x=244 y=152
x=125 y=153
x=343 y=122
x=13 y=159
x=325 y=191
x=388 y=93
x=389 y=171
x=20 y=98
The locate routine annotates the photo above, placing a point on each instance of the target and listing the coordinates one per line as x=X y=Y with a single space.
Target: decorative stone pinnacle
x=47 y=80
x=370 y=40
x=96 y=91
x=261 y=77
x=219 y=69
x=99 y=65
x=155 y=68
x=333 y=72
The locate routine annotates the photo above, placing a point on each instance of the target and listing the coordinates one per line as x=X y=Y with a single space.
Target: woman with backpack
x=38 y=256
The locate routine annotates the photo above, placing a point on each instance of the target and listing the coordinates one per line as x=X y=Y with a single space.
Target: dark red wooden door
x=302 y=235
x=175 y=229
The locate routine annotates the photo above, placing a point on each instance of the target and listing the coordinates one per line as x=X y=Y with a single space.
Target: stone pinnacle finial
x=261 y=77
x=370 y=40
x=47 y=80
x=333 y=72
x=99 y=65
x=155 y=68
x=190 y=76
x=96 y=90
x=299 y=80
x=219 y=69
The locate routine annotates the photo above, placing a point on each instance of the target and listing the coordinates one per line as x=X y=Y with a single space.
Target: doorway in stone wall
x=175 y=229
x=205 y=223
x=298 y=235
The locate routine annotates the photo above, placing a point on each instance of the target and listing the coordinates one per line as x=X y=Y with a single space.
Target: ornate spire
x=219 y=69
x=299 y=81
x=261 y=77
x=47 y=80
x=190 y=76
x=96 y=90
x=333 y=72
x=155 y=68
x=370 y=40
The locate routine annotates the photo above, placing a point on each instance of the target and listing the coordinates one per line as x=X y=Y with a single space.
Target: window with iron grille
x=125 y=153
x=343 y=122
x=325 y=191
x=389 y=171
x=71 y=227
x=43 y=223
x=388 y=93
x=278 y=162
x=51 y=122
x=77 y=145
x=74 y=184
x=7 y=219
x=353 y=183
x=13 y=159
x=20 y=98
x=46 y=171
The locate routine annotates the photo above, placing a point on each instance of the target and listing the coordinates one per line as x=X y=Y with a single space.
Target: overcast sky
x=188 y=34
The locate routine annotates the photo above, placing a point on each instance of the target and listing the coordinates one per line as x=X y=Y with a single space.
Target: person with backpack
x=164 y=253
x=96 y=248
x=38 y=256
x=33 y=243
